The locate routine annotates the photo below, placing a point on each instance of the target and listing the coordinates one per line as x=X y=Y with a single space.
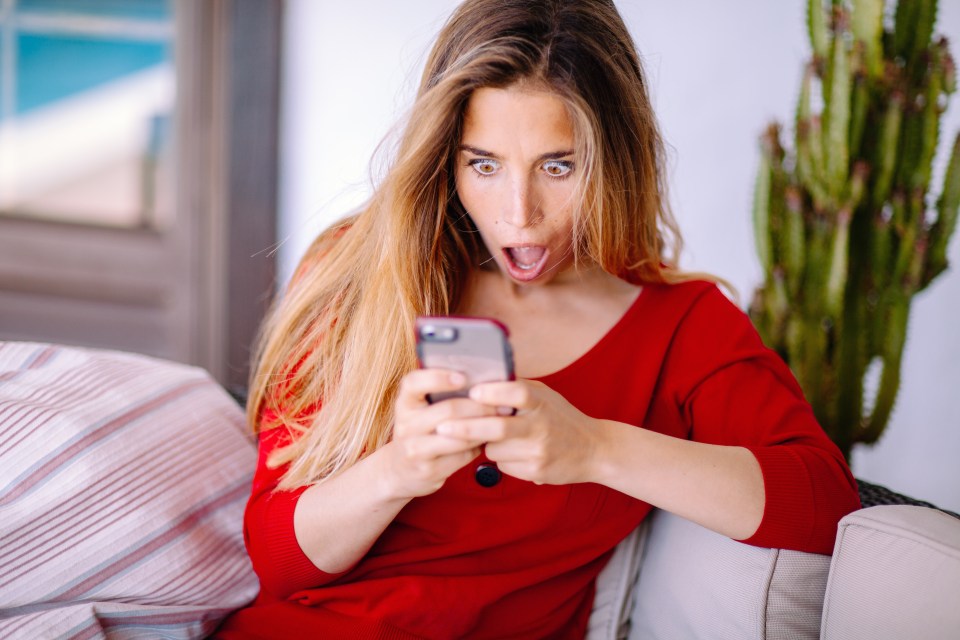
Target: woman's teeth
x=525 y=258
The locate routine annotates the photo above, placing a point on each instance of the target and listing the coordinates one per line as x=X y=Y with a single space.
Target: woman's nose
x=522 y=206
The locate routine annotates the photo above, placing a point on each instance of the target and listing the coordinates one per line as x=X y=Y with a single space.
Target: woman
x=528 y=187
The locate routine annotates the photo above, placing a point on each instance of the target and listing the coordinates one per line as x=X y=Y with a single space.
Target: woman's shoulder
x=698 y=309
x=670 y=314
x=685 y=294
x=704 y=332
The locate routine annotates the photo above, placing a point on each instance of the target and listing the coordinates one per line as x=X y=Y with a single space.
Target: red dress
x=517 y=560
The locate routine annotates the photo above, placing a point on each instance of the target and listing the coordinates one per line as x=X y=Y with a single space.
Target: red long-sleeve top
x=518 y=560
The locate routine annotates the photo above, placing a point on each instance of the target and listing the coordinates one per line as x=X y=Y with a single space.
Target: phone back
x=476 y=347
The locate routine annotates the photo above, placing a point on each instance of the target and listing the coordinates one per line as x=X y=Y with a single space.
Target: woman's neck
x=571 y=282
x=552 y=325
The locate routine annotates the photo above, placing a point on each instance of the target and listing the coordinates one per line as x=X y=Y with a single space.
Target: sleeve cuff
x=293 y=570
x=788 y=510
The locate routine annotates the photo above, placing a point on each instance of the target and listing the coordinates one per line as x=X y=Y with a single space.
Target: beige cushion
x=610 y=618
x=895 y=574
x=122 y=486
x=695 y=583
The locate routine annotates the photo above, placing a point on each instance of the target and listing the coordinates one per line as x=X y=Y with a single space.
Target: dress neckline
x=611 y=334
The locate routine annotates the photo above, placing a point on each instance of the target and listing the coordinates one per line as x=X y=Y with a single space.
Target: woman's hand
x=416 y=462
x=548 y=441
x=421 y=459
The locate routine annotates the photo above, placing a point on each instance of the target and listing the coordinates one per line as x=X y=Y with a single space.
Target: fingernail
x=458 y=379
x=476 y=394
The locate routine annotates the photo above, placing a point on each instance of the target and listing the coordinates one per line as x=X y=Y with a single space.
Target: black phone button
x=487 y=475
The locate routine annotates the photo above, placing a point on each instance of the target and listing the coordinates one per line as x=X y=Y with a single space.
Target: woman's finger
x=484 y=429
x=424 y=420
x=426 y=448
x=415 y=386
x=519 y=394
x=426 y=462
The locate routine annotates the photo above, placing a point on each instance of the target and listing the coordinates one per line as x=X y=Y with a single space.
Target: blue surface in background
x=155 y=10
x=51 y=67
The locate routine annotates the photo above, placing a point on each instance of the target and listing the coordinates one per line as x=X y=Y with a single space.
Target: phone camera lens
x=434 y=333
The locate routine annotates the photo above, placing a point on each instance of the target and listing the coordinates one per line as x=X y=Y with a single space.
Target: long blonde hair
x=342 y=335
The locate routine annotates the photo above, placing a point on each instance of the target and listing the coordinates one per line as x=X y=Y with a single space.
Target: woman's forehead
x=504 y=117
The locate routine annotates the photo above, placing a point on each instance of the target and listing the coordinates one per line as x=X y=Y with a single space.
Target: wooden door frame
x=232 y=134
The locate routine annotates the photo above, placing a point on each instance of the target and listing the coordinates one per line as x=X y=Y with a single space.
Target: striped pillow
x=122 y=486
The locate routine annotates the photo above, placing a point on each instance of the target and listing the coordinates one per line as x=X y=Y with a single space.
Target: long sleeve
x=734 y=391
x=276 y=556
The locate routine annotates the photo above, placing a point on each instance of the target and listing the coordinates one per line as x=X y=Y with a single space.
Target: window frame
x=196 y=292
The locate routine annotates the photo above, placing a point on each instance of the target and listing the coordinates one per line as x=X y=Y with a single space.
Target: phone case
x=477 y=347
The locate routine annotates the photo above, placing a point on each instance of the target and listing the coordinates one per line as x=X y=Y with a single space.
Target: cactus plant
x=845 y=228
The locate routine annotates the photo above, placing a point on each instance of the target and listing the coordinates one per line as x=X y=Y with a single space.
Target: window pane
x=52 y=68
x=3 y=71
x=154 y=10
x=86 y=135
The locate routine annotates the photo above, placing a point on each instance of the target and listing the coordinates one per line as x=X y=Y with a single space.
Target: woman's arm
x=364 y=499
x=296 y=538
x=719 y=487
x=360 y=502
x=551 y=442
x=759 y=469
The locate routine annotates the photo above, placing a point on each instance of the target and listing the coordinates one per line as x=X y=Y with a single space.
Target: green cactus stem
x=761 y=212
x=891 y=353
x=837 y=269
x=929 y=128
x=880 y=250
x=867 y=24
x=837 y=112
x=946 y=223
x=859 y=104
x=793 y=234
x=885 y=160
x=817 y=28
x=906 y=246
x=810 y=166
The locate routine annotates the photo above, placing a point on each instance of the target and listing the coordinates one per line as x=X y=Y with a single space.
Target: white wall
x=719 y=72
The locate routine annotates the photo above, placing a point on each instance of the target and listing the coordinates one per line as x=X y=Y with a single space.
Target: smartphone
x=479 y=348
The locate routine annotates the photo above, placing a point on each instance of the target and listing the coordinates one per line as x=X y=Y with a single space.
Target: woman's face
x=515 y=177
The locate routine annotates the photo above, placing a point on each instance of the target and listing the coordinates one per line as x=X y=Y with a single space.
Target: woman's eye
x=557 y=168
x=484 y=167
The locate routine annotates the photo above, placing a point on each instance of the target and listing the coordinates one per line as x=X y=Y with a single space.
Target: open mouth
x=525 y=262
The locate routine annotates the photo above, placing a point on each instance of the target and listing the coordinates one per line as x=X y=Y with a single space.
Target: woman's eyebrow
x=478 y=152
x=551 y=155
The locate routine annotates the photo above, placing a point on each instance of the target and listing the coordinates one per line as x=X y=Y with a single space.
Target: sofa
x=123 y=480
